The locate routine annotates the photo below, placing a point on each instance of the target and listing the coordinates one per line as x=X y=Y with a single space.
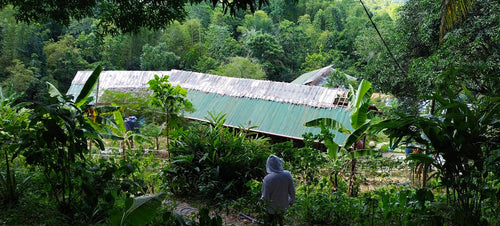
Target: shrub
x=214 y=163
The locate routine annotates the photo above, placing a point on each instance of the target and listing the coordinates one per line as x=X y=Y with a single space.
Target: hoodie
x=278 y=191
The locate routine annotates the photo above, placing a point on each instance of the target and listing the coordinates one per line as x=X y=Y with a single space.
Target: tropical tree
x=57 y=142
x=157 y=58
x=464 y=131
x=269 y=52
x=353 y=147
x=289 y=37
x=259 y=21
x=452 y=13
x=428 y=65
x=241 y=67
x=64 y=60
x=126 y=16
x=172 y=100
x=178 y=38
x=219 y=44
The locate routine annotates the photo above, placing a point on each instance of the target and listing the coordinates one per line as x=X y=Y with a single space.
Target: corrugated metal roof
x=316 y=77
x=238 y=87
x=270 y=117
x=275 y=107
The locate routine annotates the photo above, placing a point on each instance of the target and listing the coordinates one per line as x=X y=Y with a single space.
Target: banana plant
x=359 y=102
x=464 y=131
x=106 y=119
x=110 y=122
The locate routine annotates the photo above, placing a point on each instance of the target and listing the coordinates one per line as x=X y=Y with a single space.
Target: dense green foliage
x=468 y=55
x=280 y=42
x=214 y=163
x=465 y=132
x=353 y=146
x=153 y=14
x=53 y=170
x=46 y=150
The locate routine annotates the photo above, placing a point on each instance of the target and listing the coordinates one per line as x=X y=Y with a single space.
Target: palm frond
x=452 y=13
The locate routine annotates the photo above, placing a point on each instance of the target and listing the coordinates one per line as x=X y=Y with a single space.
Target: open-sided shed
x=275 y=108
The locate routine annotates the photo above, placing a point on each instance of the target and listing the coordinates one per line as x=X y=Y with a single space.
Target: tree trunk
x=123 y=150
x=334 y=182
x=424 y=175
x=352 y=178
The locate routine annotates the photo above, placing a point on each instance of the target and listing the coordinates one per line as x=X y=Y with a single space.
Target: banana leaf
x=327 y=123
x=87 y=88
x=332 y=148
x=106 y=110
x=360 y=115
x=54 y=92
x=356 y=135
x=419 y=157
x=141 y=210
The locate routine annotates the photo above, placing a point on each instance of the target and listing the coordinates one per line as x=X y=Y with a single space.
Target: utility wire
x=379 y=35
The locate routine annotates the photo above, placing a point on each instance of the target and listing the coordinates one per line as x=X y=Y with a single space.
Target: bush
x=305 y=163
x=214 y=163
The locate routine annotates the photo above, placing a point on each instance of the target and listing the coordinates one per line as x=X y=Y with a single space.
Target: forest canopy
x=423 y=84
x=151 y=14
x=276 y=40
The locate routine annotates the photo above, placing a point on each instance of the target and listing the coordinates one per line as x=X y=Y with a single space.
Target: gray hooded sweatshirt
x=278 y=191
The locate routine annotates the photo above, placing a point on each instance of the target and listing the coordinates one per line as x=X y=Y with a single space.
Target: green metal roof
x=302 y=78
x=282 y=119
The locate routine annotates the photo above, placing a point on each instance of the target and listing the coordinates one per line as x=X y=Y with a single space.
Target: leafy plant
x=214 y=162
x=138 y=210
x=135 y=103
x=119 y=132
x=464 y=131
x=108 y=120
x=154 y=131
x=305 y=163
x=57 y=142
x=13 y=122
x=172 y=100
x=359 y=122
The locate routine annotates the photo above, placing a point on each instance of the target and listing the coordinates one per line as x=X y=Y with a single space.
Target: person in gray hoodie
x=278 y=190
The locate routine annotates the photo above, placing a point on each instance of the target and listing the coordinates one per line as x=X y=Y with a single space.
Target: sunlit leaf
x=87 y=88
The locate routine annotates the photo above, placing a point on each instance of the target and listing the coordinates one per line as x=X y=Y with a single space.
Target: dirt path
x=238 y=219
x=393 y=155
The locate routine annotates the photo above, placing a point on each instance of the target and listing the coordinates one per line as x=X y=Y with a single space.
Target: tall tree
x=269 y=52
x=241 y=67
x=259 y=21
x=158 y=58
x=467 y=55
x=64 y=60
x=219 y=44
x=289 y=36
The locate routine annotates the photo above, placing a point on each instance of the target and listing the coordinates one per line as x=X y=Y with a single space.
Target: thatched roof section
x=313 y=96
